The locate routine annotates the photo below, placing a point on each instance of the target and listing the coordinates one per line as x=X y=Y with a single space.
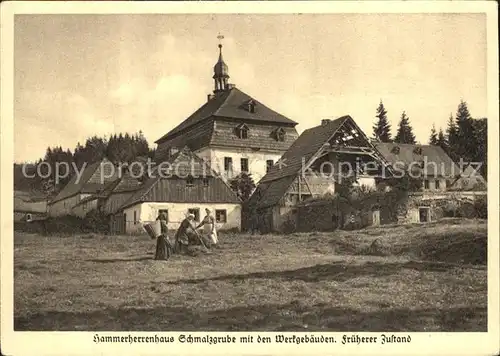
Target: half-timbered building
x=312 y=167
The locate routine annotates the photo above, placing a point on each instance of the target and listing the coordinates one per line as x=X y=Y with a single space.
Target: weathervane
x=220 y=37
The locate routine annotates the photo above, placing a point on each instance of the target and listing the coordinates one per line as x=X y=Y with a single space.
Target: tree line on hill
x=118 y=148
x=464 y=137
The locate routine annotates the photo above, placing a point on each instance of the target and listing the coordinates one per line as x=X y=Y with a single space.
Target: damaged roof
x=303 y=149
x=273 y=186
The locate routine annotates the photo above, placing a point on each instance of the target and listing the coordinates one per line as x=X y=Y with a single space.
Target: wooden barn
x=312 y=167
x=110 y=198
x=178 y=186
x=92 y=181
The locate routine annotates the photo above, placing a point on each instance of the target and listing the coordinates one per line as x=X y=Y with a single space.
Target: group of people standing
x=184 y=235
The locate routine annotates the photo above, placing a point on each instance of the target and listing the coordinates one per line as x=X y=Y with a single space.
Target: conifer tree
x=466 y=143
x=433 y=138
x=481 y=139
x=441 y=140
x=405 y=131
x=451 y=138
x=382 y=128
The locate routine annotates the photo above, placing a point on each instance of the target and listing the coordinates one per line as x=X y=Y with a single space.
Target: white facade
x=142 y=213
x=257 y=161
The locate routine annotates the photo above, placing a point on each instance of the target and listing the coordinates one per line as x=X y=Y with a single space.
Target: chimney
x=325 y=122
x=209 y=97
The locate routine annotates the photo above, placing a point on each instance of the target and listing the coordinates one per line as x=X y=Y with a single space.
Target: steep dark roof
x=73 y=187
x=269 y=193
x=407 y=155
x=87 y=199
x=123 y=184
x=109 y=188
x=229 y=104
x=303 y=149
x=89 y=183
x=181 y=164
x=273 y=186
x=126 y=183
x=276 y=182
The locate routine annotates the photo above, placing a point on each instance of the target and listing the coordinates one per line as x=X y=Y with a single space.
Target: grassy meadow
x=393 y=278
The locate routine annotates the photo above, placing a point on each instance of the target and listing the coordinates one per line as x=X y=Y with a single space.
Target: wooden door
x=376 y=217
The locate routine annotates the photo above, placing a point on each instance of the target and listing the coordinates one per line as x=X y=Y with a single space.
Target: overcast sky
x=80 y=75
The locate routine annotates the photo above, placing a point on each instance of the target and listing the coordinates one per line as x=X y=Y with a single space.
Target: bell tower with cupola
x=232 y=131
x=221 y=72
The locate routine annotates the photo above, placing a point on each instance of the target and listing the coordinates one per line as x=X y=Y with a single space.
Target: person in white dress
x=209 y=229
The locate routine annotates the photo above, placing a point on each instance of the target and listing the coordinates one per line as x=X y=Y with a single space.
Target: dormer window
x=280 y=134
x=250 y=106
x=395 y=150
x=417 y=150
x=172 y=151
x=242 y=131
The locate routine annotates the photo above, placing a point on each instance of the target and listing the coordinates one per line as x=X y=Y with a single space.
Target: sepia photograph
x=251 y=172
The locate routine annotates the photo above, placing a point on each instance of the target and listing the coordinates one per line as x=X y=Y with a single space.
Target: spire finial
x=221 y=75
x=220 y=38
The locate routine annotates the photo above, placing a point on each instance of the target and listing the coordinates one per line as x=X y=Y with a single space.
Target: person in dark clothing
x=182 y=236
x=163 y=246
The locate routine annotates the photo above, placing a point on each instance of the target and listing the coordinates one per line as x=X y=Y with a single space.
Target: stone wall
x=408 y=212
x=329 y=216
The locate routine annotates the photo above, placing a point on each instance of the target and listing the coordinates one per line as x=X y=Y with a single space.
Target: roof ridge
x=176 y=129
x=297 y=142
x=223 y=105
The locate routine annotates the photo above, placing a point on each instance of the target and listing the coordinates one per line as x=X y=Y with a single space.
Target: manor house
x=233 y=132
